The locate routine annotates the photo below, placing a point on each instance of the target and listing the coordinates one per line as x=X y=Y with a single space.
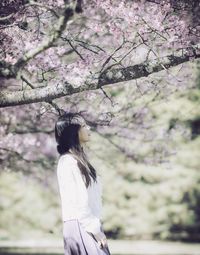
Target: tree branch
x=10 y=71
x=107 y=77
x=148 y=67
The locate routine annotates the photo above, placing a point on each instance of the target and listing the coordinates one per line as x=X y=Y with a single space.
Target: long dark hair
x=66 y=134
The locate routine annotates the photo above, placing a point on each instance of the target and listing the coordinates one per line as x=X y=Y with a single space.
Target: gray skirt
x=77 y=241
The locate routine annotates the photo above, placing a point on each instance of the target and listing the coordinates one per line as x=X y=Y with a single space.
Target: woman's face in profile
x=84 y=133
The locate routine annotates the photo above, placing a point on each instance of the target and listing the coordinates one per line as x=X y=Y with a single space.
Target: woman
x=80 y=190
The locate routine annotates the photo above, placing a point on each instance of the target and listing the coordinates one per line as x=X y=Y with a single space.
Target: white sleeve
x=89 y=221
x=75 y=185
x=66 y=183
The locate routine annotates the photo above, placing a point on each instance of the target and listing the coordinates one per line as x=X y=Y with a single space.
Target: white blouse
x=77 y=201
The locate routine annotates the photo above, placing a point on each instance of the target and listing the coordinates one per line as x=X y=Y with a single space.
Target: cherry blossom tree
x=60 y=49
x=118 y=63
x=51 y=49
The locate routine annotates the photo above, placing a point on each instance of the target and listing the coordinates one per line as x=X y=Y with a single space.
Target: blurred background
x=108 y=62
x=148 y=158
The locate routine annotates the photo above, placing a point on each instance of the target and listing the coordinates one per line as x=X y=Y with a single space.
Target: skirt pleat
x=77 y=241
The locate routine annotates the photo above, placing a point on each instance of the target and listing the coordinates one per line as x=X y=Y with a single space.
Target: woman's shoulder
x=67 y=160
x=66 y=164
x=67 y=157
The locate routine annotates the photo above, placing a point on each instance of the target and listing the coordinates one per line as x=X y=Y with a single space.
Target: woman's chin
x=88 y=139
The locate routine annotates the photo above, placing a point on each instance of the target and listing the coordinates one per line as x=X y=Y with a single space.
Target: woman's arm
x=66 y=185
x=73 y=189
x=89 y=221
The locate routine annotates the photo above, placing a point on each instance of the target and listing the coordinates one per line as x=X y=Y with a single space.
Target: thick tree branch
x=148 y=67
x=109 y=76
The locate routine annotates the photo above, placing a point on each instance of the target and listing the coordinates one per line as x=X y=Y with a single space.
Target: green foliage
x=26 y=207
x=140 y=200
